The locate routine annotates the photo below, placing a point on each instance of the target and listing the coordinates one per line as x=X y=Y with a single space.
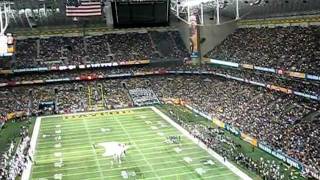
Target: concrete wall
x=213 y=34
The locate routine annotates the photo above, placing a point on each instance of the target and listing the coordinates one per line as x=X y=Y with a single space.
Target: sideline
x=230 y=166
x=27 y=172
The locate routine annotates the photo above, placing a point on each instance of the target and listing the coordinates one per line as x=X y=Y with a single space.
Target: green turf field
x=65 y=149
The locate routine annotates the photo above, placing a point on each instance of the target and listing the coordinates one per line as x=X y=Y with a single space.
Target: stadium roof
x=52 y=12
x=272 y=8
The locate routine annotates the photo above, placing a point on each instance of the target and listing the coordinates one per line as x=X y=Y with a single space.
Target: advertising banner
x=3 y=84
x=218 y=123
x=26 y=70
x=280 y=155
x=296 y=74
x=313 y=77
x=307 y=95
x=236 y=78
x=194 y=36
x=249 y=139
x=257 y=83
x=247 y=66
x=265 y=69
x=6 y=71
x=226 y=63
x=38 y=81
x=281 y=89
x=26 y=82
x=146 y=61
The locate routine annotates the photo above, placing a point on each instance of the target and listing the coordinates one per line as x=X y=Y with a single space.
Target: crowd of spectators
x=169 y=45
x=285 y=122
x=293 y=48
x=263 y=114
x=112 y=47
x=14 y=161
x=215 y=139
x=303 y=86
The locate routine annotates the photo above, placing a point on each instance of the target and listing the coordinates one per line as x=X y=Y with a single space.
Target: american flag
x=84 y=8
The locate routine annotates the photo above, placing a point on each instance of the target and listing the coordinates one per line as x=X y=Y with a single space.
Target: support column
x=38 y=48
x=237 y=10
x=218 y=12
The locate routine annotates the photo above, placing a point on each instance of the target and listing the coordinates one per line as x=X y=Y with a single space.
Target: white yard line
x=137 y=131
x=33 y=142
x=108 y=169
x=230 y=166
x=43 y=143
x=103 y=118
x=70 y=125
x=162 y=169
x=95 y=153
x=128 y=135
x=152 y=148
x=157 y=157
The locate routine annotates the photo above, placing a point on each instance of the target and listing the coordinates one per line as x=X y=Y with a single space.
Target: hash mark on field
x=154 y=127
x=58 y=131
x=57 y=145
x=148 y=122
x=57 y=176
x=104 y=130
x=58 y=164
x=187 y=159
x=160 y=133
x=57 y=154
x=57 y=138
x=200 y=171
x=177 y=150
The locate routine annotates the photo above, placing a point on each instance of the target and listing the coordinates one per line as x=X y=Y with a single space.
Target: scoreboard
x=137 y=13
x=7 y=45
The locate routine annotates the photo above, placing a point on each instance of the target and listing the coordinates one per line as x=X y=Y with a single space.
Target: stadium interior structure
x=160 y=89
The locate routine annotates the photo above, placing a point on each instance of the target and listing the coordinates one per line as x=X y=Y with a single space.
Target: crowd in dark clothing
x=14 y=161
x=292 y=48
x=111 y=47
x=285 y=122
x=215 y=139
x=303 y=86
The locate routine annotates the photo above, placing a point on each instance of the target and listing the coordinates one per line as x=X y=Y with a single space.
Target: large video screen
x=140 y=13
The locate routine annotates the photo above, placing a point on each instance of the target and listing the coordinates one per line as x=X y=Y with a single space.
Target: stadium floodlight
x=191 y=3
x=184 y=9
x=4 y=20
x=257 y=2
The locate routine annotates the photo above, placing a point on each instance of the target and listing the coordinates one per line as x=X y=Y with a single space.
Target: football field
x=78 y=146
